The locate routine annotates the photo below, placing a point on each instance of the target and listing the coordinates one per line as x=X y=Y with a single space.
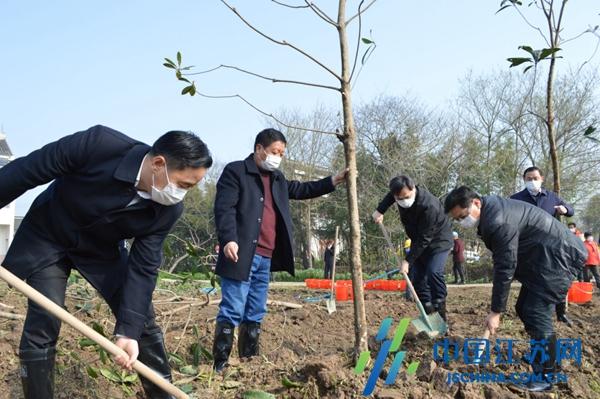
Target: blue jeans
x=429 y=279
x=246 y=301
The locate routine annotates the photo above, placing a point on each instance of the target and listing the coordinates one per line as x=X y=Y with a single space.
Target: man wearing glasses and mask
x=532 y=247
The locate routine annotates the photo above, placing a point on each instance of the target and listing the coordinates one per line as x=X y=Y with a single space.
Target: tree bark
x=550 y=121
x=360 y=319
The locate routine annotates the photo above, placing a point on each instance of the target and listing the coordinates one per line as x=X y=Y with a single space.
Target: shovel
x=107 y=345
x=331 y=300
x=432 y=324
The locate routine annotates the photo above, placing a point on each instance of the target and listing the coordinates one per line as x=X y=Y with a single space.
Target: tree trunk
x=360 y=318
x=551 y=127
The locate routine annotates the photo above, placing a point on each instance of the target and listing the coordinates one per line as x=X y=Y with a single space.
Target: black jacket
x=82 y=218
x=530 y=246
x=425 y=223
x=238 y=213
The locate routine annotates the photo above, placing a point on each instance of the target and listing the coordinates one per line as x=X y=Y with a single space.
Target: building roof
x=4 y=148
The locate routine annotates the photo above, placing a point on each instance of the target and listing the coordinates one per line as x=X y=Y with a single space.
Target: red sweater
x=593 y=253
x=266 y=238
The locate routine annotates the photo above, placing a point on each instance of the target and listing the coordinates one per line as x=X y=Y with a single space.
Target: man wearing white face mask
x=254 y=228
x=535 y=195
x=429 y=229
x=532 y=247
x=105 y=187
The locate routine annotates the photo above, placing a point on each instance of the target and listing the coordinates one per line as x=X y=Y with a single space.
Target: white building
x=7 y=214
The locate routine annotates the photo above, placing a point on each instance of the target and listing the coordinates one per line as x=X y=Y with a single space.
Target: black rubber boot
x=545 y=369
x=561 y=314
x=154 y=355
x=440 y=307
x=429 y=308
x=37 y=372
x=222 y=345
x=248 y=339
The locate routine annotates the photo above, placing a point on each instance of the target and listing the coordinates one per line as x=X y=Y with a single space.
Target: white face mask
x=533 y=186
x=406 y=202
x=170 y=194
x=271 y=163
x=590 y=239
x=470 y=221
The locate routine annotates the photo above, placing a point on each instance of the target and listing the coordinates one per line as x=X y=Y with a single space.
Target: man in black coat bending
x=429 y=229
x=254 y=227
x=106 y=187
x=528 y=245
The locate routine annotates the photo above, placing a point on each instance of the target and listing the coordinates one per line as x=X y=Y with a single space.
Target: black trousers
x=535 y=313
x=428 y=277
x=458 y=270
x=327 y=270
x=41 y=329
x=593 y=270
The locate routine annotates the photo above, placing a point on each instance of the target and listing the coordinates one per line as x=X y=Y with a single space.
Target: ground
x=306 y=353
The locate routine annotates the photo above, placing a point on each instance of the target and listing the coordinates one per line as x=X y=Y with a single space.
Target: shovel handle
x=335 y=250
x=104 y=342
x=386 y=234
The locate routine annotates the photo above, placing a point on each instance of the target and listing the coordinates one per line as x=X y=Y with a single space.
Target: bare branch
x=592 y=56
x=357 y=39
x=337 y=134
x=360 y=12
x=320 y=13
x=287 y=5
x=273 y=80
x=281 y=42
x=532 y=25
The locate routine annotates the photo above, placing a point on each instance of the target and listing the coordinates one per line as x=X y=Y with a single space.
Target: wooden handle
x=104 y=342
x=335 y=249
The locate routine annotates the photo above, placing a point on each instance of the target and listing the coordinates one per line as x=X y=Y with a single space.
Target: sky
x=69 y=65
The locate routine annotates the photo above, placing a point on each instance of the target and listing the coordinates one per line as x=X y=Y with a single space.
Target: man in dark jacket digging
x=532 y=247
x=254 y=228
x=106 y=187
x=535 y=194
x=429 y=229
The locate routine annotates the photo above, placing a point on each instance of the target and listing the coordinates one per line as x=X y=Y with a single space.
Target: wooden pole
x=104 y=342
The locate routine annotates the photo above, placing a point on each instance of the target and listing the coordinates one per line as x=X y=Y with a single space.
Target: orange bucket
x=323 y=283
x=347 y=283
x=402 y=285
x=310 y=283
x=580 y=292
x=343 y=292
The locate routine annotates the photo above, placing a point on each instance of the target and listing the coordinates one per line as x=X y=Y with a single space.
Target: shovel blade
x=331 y=305
x=438 y=325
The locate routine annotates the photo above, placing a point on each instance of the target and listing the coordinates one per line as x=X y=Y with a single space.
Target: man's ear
x=158 y=161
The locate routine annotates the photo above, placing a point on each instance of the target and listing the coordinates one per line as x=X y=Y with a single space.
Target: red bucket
x=343 y=292
x=311 y=283
x=580 y=292
x=402 y=285
x=323 y=283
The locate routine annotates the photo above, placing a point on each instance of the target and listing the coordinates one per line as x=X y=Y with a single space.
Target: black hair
x=399 y=182
x=182 y=150
x=533 y=169
x=587 y=234
x=572 y=224
x=462 y=197
x=267 y=137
